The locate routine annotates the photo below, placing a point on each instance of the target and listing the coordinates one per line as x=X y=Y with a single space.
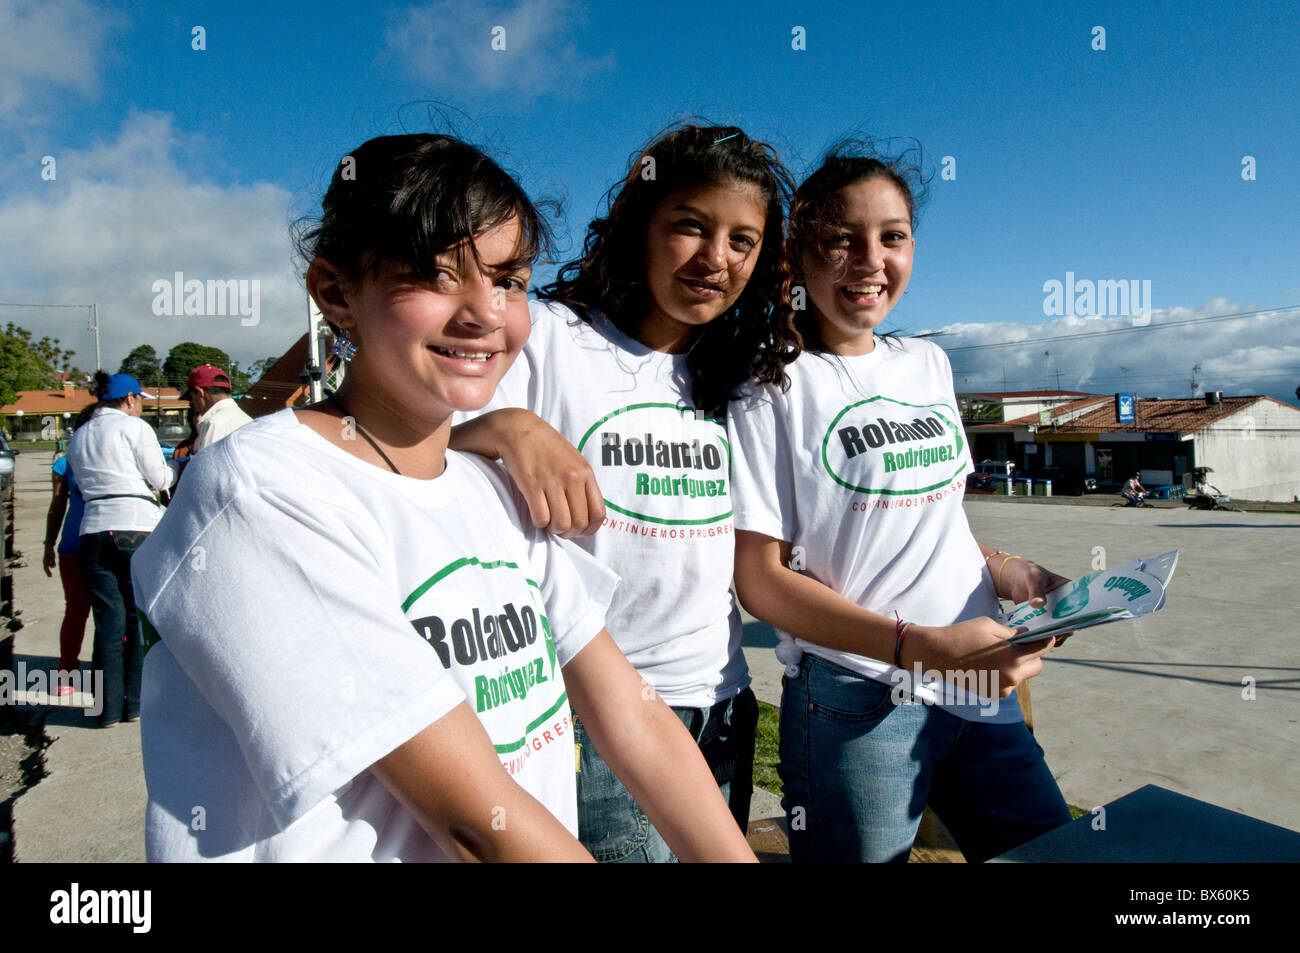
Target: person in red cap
x=208 y=391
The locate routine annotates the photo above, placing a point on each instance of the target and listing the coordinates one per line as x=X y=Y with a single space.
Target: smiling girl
x=851 y=540
x=363 y=656
x=634 y=355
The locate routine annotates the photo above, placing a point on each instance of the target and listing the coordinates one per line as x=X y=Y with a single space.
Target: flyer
x=1125 y=592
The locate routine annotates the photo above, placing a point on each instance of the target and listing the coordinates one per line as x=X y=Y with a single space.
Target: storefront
x=1252 y=444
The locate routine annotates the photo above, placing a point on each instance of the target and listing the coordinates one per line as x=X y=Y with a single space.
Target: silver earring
x=345 y=349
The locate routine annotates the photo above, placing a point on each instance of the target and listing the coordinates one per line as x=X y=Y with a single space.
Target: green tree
x=142 y=364
x=21 y=365
x=186 y=356
x=258 y=369
x=239 y=381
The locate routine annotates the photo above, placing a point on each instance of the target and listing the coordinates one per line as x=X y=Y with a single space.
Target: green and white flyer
x=1125 y=592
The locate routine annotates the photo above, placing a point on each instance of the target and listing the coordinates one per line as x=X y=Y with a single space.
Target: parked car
x=7 y=455
x=171 y=436
x=990 y=473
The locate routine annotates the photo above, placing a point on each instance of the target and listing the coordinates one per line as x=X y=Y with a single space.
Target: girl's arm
x=474 y=811
x=811 y=611
x=553 y=477
x=653 y=755
x=155 y=469
x=53 y=521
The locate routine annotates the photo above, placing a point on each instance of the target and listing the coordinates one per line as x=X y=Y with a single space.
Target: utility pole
x=94 y=326
x=94 y=319
x=313 y=374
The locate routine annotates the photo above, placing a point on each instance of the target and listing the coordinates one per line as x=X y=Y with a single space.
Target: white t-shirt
x=861 y=467
x=316 y=612
x=664 y=472
x=118 y=462
x=220 y=420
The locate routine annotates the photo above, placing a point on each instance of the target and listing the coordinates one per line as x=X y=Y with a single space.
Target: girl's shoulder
x=563 y=324
x=551 y=316
x=916 y=349
x=551 y=309
x=556 y=324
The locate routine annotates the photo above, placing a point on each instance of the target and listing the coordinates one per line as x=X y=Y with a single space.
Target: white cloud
x=47 y=49
x=1257 y=354
x=448 y=43
x=122 y=215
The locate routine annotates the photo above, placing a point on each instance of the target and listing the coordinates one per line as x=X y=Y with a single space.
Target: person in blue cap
x=120 y=469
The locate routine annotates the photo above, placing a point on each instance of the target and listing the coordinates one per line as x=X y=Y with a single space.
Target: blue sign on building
x=1124 y=408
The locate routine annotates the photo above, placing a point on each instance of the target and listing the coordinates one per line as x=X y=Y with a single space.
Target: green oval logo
x=1075 y=599
x=886 y=446
x=663 y=463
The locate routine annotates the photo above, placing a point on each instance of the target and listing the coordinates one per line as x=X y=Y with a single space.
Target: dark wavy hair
x=755 y=338
x=817 y=207
x=407 y=199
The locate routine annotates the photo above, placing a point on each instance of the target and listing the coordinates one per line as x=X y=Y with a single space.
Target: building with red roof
x=48 y=414
x=1251 y=443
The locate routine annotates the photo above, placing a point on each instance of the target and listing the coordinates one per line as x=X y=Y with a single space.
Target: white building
x=1252 y=444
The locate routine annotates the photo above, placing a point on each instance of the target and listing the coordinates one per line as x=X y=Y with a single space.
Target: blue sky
x=1116 y=163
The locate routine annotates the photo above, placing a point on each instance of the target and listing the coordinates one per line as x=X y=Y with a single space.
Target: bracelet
x=900 y=629
x=997 y=585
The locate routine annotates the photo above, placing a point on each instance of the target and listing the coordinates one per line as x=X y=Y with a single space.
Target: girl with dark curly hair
x=636 y=350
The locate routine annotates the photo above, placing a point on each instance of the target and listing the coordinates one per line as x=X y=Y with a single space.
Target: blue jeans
x=858 y=770
x=106 y=563
x=612 y=825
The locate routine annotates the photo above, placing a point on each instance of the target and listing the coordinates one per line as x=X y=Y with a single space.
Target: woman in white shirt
x=119 y=467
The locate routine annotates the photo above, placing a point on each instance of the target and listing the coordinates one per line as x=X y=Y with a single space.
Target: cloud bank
x=124 y=214
x=1160 y=357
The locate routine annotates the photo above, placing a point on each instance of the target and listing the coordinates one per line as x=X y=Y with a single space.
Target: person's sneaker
x=130 y=718
x=63 y=690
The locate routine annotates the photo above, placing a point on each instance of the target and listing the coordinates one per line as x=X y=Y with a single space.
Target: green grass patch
x=765 y=749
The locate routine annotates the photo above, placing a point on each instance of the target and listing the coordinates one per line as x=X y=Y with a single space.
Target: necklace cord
x=361 y=430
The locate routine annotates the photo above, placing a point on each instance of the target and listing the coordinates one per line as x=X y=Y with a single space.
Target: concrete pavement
x=90 y=807
x=1164 y=699
x=1157 y=700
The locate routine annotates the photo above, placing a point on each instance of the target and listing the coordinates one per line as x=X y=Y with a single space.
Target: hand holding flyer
x=1125 y=592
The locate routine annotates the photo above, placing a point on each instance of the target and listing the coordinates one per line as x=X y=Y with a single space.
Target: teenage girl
x=852 y=541
x=362 y=655
x=636 y=350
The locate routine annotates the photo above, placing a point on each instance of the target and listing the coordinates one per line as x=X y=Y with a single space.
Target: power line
x=94 y=318
x=1146 y=379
